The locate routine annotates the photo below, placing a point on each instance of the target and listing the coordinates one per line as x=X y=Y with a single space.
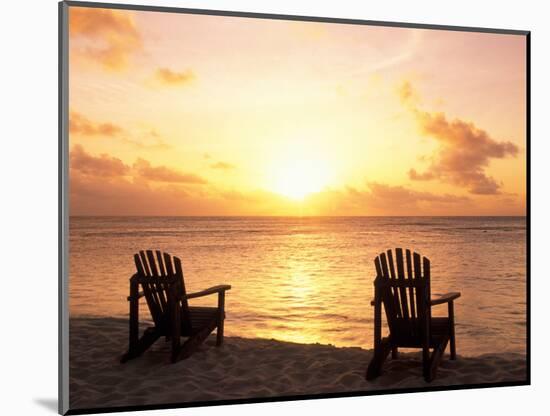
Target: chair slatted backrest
x=159 y=273
x=404 y=285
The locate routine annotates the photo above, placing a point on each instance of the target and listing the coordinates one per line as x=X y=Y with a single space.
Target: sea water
x=310 y=279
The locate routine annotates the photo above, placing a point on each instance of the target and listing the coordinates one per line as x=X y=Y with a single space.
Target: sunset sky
x=174 y=114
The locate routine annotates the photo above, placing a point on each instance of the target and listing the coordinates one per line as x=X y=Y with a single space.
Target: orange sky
x=174 y=114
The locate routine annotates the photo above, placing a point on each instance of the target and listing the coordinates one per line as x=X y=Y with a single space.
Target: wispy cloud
x=222 y=166
x=153 y=141
x=407 y=94
x=173 y=78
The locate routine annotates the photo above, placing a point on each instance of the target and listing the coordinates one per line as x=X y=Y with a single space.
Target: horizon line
x=302 y=216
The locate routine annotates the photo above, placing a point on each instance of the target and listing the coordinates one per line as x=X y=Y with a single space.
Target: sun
x=298 y=178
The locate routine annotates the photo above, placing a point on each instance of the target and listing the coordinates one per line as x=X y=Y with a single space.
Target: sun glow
x=299 y=178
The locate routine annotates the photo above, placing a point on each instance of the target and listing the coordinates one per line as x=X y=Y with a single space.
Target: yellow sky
x=175 y=114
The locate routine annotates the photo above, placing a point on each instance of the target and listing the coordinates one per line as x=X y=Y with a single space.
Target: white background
x=28 y=233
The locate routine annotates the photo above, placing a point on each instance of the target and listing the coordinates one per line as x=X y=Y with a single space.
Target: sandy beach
x=247 y=368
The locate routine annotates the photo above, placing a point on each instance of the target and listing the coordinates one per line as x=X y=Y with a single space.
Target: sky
x=176 y=114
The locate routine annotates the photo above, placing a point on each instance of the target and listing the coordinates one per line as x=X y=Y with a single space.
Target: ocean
x=310 y=279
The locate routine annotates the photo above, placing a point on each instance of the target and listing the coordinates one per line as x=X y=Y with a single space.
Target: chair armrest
x=209 y=291
x=139 y=295
x=447 y=297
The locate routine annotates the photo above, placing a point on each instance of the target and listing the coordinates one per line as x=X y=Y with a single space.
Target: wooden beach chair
x=404 y=289
x=159 y=279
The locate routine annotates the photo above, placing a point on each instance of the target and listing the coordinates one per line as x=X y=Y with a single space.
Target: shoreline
x=249 y=368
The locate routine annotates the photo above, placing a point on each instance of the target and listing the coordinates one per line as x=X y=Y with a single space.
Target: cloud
x=109 y=37
x=103 y=166
x=164 y=174
x=151 y=135
x=388 y=195
x=83 y=126
x=222 y=166
x=104 y=185
x=406 y=92
x=135 y=195
x=168 y=77
x=463 y=155
x=464 y=151
x=79 y=124
x=90 y=195
x=400 y=194
x=383 y=199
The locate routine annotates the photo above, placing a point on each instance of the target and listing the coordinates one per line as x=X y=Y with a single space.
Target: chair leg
x=175 y=330
x=394 y=353
x=148 y=338
x=134 y=320
x=219 y=333
x=453 y=346
x=433 y=363
x=375 y=366
x=192 y=343
x=452 y=330
x=426 y=362
x=221 y=318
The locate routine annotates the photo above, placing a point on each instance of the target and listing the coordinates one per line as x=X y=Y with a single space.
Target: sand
x=247 y=368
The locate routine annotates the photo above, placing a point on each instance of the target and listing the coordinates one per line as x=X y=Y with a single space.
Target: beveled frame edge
x=528 y=204
x=275 y=16
x=63 y=211
x=63 y=208
x=319 y=396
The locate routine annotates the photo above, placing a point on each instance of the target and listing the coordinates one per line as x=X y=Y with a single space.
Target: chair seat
x=439 y=329
x=440 y=326
x=201 y=316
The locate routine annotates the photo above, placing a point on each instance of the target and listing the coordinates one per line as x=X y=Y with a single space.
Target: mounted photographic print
x=263 y=207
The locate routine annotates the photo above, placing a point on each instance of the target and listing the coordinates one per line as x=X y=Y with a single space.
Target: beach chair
x=159 y=279
x=404 y=289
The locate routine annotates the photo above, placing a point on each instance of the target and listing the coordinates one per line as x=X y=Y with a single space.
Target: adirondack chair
x=404 y=289
x=160 y=277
